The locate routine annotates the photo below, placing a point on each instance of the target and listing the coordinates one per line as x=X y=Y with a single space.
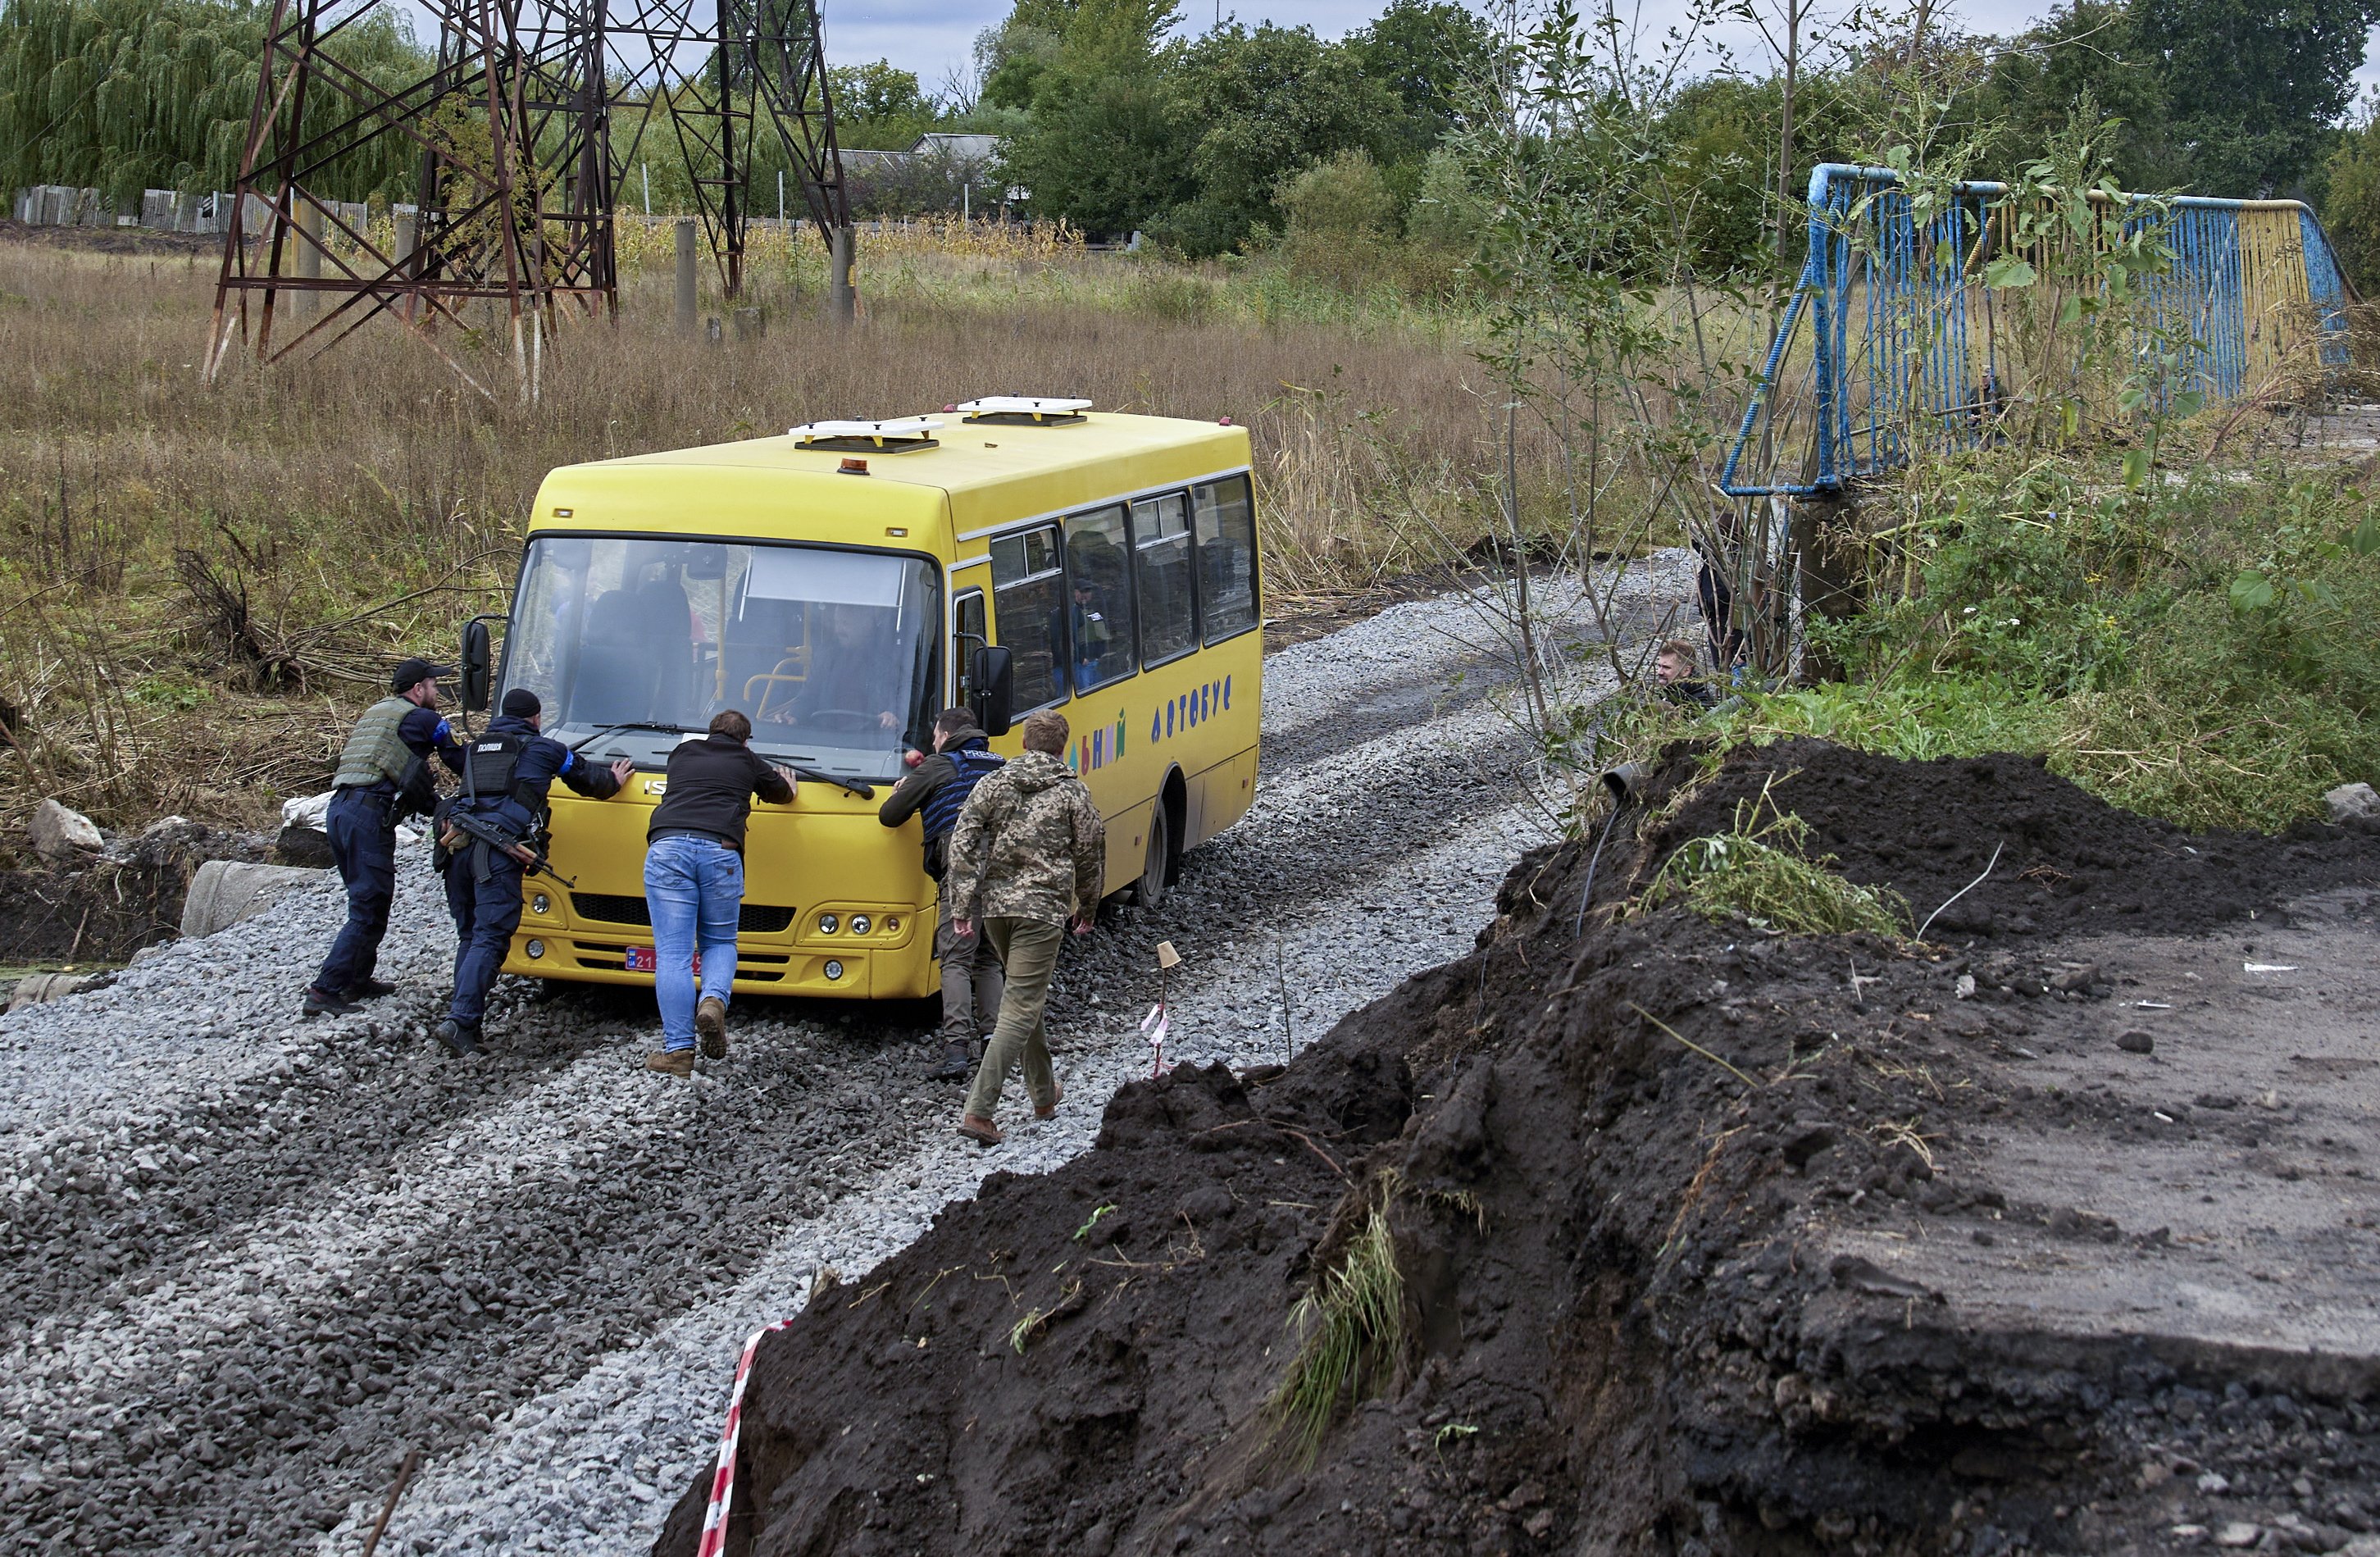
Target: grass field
x=200 y=584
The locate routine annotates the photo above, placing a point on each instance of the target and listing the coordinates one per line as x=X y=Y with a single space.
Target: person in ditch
x=1026 y=857
x=385 y=774
x=694 y=883
x=507 y=775
x=934 y=792
x=1681 y=679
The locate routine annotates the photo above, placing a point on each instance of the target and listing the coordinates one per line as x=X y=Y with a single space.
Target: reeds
x=198 y=585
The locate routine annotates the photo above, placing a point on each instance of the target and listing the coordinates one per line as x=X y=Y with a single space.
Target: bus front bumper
x=892 y=972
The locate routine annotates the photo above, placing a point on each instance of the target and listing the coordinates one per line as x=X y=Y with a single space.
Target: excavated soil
x=104 y=911
x=2053 y=1236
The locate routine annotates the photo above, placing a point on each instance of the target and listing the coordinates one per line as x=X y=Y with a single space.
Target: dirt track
x=248 y=1261
x=1710 y=1241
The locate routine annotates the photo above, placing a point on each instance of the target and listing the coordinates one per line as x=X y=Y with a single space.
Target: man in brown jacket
x=1029 y=855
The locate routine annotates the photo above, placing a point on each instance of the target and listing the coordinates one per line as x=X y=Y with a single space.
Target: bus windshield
x=833 y=655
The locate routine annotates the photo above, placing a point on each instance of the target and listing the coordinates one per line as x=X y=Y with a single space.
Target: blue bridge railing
x=1908 y=345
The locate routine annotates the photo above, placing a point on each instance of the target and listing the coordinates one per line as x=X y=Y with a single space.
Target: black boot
x=956 y=1063
x=323 y=1002
x=464 y=1039
x=370 y=989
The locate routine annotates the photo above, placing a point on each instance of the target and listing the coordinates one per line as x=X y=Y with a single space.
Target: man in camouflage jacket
x=1029 y=854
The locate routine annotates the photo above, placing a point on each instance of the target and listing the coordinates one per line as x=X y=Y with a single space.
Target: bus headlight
x=535 y=949
x=834 y=970
x=860 y=923
x=540 y=904
x=828 y=924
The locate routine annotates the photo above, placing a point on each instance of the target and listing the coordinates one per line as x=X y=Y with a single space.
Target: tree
x=1263 y=106
x=124 y=95
x=1429 y=53
x=2252 y=87
x=2351 y=205
x=1102 y=145
x=879 y=108
x=2094 y=48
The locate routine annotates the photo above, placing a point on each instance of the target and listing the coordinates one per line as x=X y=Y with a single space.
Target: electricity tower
x=522 y=133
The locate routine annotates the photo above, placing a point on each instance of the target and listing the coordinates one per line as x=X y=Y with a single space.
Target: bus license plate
x=643 y=959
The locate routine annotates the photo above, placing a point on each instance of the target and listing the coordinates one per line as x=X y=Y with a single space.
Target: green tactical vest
x=376 y=752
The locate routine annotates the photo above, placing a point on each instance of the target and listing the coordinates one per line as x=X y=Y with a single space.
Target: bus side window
x=1098 y=611
x=1029 y=594
x=1227 y=557
x=968 y=635
x=1161 y=538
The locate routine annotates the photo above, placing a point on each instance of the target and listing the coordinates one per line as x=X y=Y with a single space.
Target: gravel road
x=249 y=1261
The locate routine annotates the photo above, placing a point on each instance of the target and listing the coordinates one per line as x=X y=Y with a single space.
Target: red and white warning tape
x=722 y=1480
x=1153 y=1027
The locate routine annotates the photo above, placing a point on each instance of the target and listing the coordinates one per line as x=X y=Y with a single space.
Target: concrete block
x=37 y=988
x=225 y=892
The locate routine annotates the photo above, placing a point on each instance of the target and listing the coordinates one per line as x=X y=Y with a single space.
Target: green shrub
x=2200 y=652
x=1762 y=872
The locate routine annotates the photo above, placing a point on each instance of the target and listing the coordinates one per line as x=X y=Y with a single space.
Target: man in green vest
x=384 y=777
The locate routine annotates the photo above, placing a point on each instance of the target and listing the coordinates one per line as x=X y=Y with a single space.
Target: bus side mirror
x=992 y=674
x=478 y=666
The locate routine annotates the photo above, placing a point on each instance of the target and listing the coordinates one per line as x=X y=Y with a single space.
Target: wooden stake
x=404 y=1474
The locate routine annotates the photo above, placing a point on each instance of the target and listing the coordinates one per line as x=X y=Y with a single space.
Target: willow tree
x=124 y=95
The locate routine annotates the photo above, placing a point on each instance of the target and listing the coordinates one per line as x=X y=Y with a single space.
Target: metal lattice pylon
x=522 y=131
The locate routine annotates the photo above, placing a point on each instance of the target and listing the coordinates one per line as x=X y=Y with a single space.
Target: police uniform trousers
x=486 y=914
x=362 y=835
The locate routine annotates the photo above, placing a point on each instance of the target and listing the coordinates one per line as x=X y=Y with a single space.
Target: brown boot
x=979 y=1129
x=673 y=1062
x=1057 y=1096
x=710 y=1023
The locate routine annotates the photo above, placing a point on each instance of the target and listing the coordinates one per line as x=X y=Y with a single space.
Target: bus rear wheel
x=1149 y=893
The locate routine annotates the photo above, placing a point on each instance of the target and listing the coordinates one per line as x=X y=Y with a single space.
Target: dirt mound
x=2068 y=862
x=105 y=911
x=1675 y=1211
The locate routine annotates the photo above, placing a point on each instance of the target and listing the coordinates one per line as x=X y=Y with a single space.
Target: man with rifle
x=384 y=777
x=489 y=835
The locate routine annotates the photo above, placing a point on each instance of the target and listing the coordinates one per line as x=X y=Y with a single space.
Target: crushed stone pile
x=2053 y=1235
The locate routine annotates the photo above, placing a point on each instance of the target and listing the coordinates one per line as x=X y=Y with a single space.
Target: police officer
x=506 y=775
x=383 y=776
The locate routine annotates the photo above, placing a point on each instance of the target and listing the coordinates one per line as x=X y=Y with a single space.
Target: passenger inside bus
x=852 y=664
x=637 y=655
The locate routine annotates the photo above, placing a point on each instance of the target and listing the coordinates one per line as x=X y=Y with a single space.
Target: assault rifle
x=486 y=831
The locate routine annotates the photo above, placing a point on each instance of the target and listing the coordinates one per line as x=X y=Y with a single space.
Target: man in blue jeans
x=694 y=883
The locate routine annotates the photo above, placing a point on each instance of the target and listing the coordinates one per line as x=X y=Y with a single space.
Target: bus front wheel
x=1149 y=893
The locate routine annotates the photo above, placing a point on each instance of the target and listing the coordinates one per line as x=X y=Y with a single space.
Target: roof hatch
x=896 y=436
x=1023 y=410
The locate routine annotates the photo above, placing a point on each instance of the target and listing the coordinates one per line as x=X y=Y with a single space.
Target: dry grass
x=197 y=586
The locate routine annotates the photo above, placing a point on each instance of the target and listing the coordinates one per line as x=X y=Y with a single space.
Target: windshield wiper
x=635 y=724
x=860 y=787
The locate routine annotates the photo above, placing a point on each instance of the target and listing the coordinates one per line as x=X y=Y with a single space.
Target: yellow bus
x=841 y=586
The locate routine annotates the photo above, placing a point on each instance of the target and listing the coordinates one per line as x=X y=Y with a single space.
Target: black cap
x=521 y=703
x=408 y=671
